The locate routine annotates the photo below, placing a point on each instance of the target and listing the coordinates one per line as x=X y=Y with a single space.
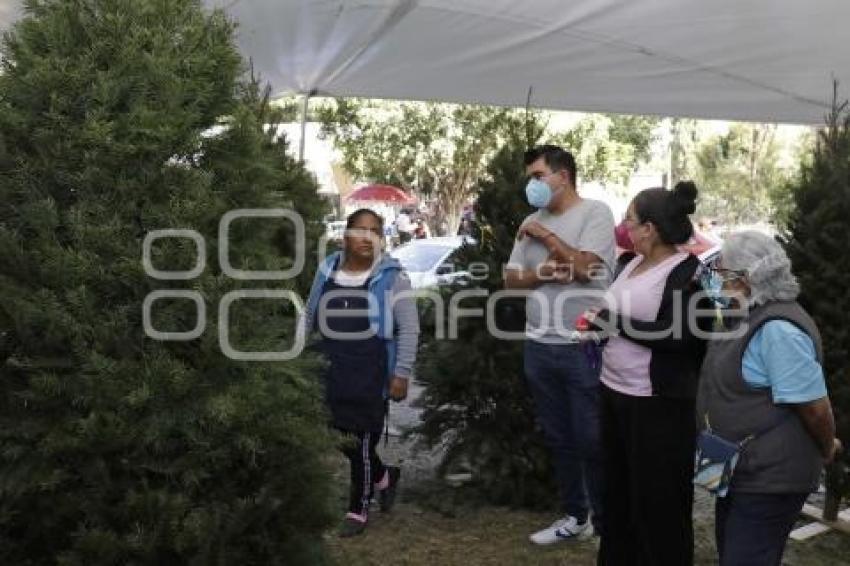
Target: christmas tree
x=119 y=118
x=818 y=243
x=476 y=403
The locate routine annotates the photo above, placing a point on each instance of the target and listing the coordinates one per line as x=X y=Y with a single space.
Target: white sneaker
x=567 y=528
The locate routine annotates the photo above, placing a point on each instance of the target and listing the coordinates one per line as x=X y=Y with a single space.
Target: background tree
x=739 y=171
x=116 y=448
x=609 y=148
x=475 y=400
x=442 y=149
x=439 y=149
x=684 y=143
x=818 y=242
x=782 y=198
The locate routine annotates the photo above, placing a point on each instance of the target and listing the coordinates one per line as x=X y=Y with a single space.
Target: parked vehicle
x=335 y=230
x=429 y=263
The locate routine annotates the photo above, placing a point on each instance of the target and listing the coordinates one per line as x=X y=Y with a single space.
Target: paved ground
x=418 y=466
x=403 y=414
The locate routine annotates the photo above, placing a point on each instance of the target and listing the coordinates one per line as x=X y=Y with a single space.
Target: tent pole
x=671 y=147
x=305 y=107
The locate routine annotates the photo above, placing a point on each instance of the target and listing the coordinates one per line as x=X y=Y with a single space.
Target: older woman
x=765 y=381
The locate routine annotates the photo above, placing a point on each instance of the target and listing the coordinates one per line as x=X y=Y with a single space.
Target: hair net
x=766 y=264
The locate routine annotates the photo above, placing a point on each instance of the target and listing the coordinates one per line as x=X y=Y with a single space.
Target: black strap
x=622 y=261
x=784 y=416
x=774 y=423
x=386 y=423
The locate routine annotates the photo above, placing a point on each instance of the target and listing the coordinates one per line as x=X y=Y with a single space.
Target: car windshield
x=417 y=258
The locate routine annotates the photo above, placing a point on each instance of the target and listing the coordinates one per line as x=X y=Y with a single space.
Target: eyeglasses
x=728 y=274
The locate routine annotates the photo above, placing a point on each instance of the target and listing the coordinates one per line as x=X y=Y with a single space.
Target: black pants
x=648 y=445
x=366 y=468
x=752 y=528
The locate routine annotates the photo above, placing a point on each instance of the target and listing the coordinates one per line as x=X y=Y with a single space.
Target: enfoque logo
x=448 y=309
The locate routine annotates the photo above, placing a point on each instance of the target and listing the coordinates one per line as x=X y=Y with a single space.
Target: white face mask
x=539 y=193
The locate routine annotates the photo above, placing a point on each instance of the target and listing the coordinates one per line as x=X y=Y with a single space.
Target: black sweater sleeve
x=673 y=330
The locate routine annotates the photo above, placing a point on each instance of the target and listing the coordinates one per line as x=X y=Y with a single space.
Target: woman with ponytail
x=649 y=376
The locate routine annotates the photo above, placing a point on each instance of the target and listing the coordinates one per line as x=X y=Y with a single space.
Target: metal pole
x=304 y=108
x=674 y=133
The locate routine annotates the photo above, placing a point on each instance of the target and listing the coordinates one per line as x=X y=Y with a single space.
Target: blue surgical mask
x=538 y=193
x=712 y=283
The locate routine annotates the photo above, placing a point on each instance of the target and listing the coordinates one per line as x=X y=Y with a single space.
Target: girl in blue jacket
x=368 y=329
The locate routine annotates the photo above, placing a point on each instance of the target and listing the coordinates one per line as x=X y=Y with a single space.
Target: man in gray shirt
x=564 y=257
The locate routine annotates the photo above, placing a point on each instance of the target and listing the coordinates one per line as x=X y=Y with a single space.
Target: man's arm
x=515 y=273
x=581 y=264
x=819 y=423
x=521 y=278
x=550 y=271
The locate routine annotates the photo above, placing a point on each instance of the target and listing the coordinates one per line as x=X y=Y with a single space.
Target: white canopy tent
x=761 y=60
x=765 y=60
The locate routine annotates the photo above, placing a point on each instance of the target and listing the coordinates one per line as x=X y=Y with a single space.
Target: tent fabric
x=760 y=60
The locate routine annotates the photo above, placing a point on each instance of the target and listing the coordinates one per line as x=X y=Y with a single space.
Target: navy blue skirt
x=357 y=373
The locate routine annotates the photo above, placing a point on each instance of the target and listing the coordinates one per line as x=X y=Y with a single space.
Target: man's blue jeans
x=565 y=390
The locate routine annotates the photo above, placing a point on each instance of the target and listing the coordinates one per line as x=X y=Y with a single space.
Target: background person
x=404 y=226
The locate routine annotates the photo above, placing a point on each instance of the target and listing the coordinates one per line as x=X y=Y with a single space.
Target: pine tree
x=116 y=448
x=475 y=399
x=818 y=243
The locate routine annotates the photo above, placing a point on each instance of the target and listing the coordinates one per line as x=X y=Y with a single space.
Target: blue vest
x=381 y=281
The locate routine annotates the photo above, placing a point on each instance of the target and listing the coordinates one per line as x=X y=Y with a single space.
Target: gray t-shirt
x=587 y=226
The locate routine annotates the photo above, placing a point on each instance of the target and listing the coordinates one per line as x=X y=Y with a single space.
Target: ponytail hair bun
x=669 y=211
x=684 y=197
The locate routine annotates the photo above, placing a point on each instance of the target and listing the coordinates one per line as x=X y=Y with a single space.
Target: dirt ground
x=413 y=536
x=433 y=524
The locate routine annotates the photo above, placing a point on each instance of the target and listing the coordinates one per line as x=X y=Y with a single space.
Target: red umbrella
x=381 y=193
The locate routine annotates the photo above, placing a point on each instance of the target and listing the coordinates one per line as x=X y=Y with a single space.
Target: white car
x=428 y=261
x=335 y=230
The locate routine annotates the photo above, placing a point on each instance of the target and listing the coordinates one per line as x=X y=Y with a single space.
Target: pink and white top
x=625 y=365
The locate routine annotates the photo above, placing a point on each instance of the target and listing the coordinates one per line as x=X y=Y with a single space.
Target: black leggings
x=649 y=447
x=366 y=468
